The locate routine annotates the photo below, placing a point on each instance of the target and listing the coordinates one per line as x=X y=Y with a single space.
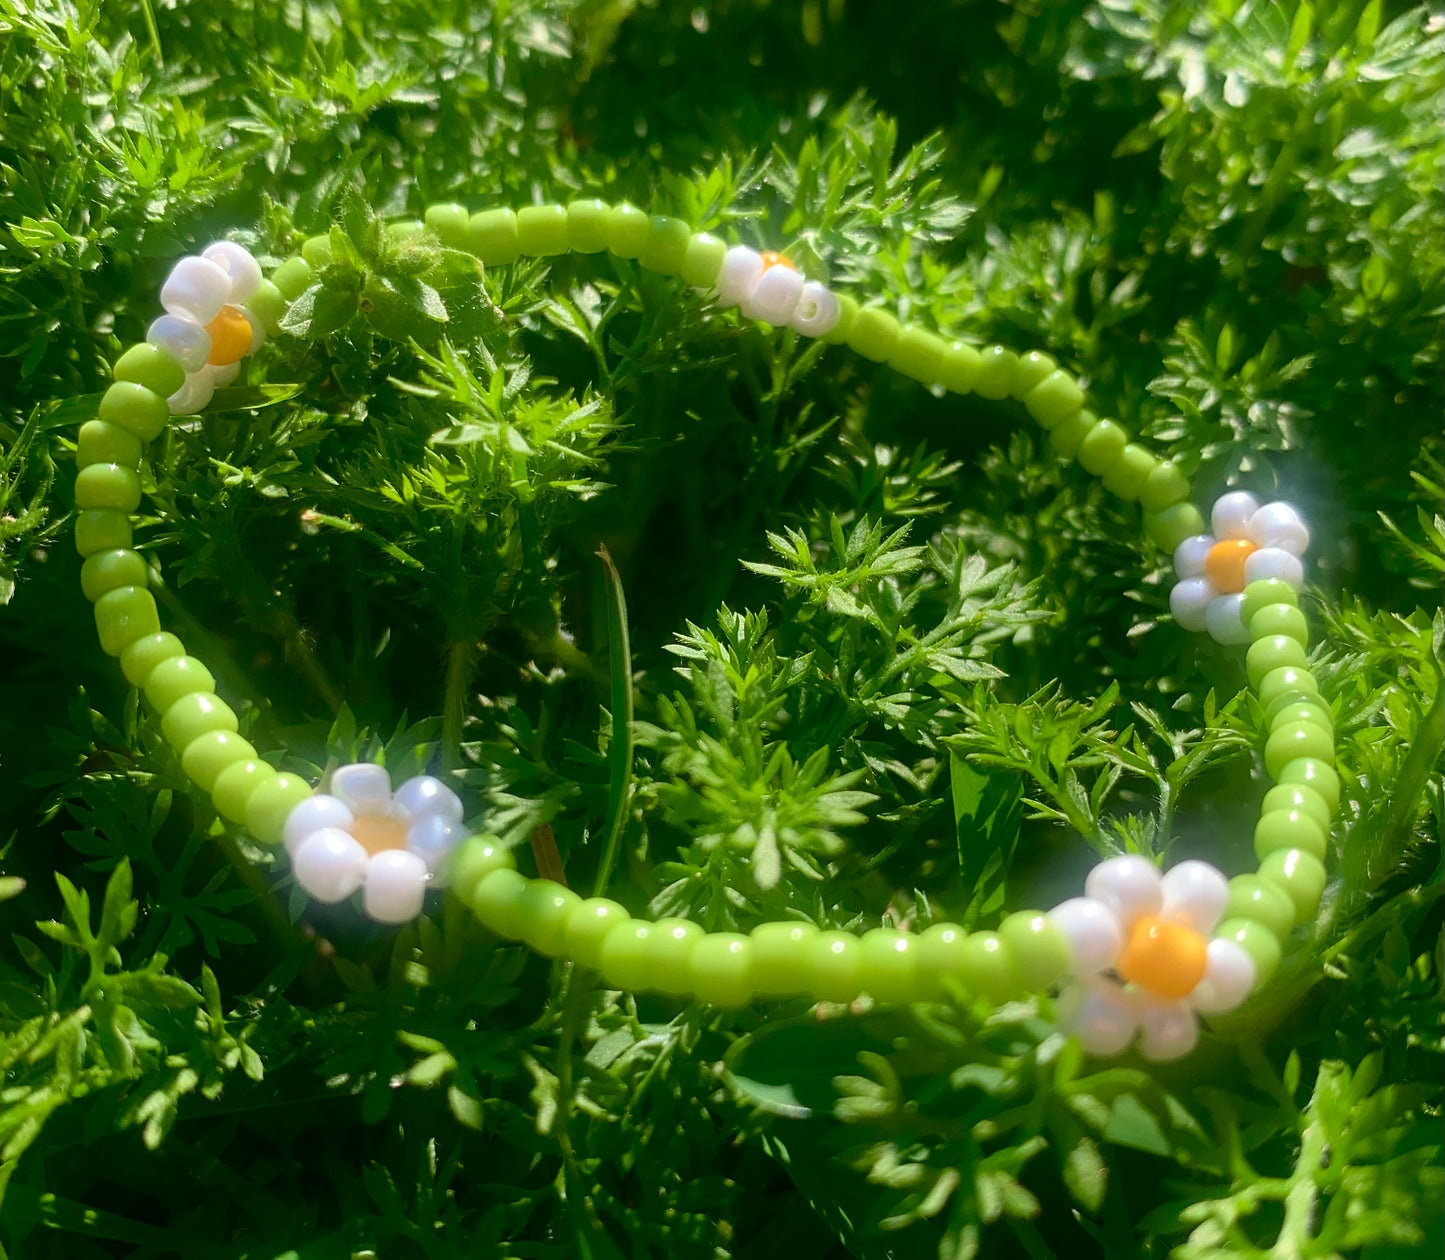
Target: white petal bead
x=395 y=886
x=1195 y=895
x=1128 y=885
x=315 y=813
x=1167 y=1032
x=236 y=261
x=742 y=268
x=775 y=296
x=196 y=288
x=423 y=795
x=364 y=788
x=222 y=373
x=1190 y=555
x=1279 y=525
x=330 y=865
x=183 y=339
x=1274 y=562
x=1231 y=514
x=193 y=395
x=258 y=330
x=1093 y=932
x=818 y=310
x=1103 y=1023
x=432 y=838
x=1189 y=601
x=1224 y=619
x=1228 y=979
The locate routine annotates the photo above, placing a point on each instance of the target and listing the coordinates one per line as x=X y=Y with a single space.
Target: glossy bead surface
x=1165 y=486
x=1273 y=564
x=110 y=486
x=1054 y=399
x=102 y=442
x=108 y=570
x=268 y=305
x=101 y=530
x=424 y=795
x=625 y=959
x=1257 y=941
x=832 y=966
x=316 y=812
x=1068 y=435
x=995 y=376
x=492 y=237
x=1274 y=651
x=196 y=289
x=124 y=615
x=316 y=250
x=234 y=785
x=1293 y=708
x=542 y=231
x=1289 y=796
x=1032 y=368
x=1167 y=1033
x=917 y=354
x=271 y=803
x=1298 y=739
x=206 y=756
x=1262 y=902
x=1287 y=681
x=363 y=786
x=153 y=369
x=395 y=889
x=939 y=950
x=495 y=900
x=888 y=966
x=194 y=394
x=330 y=866
x=847 y=312
x=959 y=368
x=193 y=715
x=587 y=225
x=1195 y=894
x=1189 y=602
x=1128 y=885
x=874 y=334
x=779 y=958
x=1289 y=829
x=541 y=915
x=719 y=969
x=1039 y=949
x=186 y=341
x=293 y=277
x=741 y=269
x=1315 y=773
x=775 y=297
x=1103 y=1027
x=818 y=311
x=1165 y=957
x=142 y=656
x=231 y=336
x=666 y=248
x=671 y=946
x=1231 y=514
x=986 y=968
x=1102 y=447
x=1279 y=525
x=703 y=261
x=587 y=925
x=1126 y=477
x=1276 y=619
x=476 y=858
x=241 y=268
x=1228 y=979
x=1224 y=621
x=451 y=222
x=627 y=230
x=1091 y=933
x=1299 y=875
x=1224 y=565
x=176 y=677
x=1265 y=593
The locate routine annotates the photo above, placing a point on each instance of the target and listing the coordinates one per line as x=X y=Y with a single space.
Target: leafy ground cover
x=891 y=661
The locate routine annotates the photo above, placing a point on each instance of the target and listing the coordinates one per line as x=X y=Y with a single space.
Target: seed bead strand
x=1138 y=956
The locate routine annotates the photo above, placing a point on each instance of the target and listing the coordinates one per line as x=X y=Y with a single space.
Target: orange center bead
x=1165 y=958
x=377 y=832
x=230 y=336
x=771 y=258
x=1224 y=565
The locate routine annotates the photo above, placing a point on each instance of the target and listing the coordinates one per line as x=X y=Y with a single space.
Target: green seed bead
x=1066 y=438
x=142 y=656
x=625 y=956
x=404 y=230
x=267 y=304
x=1252 y=898
x=207 y=756
x=1276 y=651
x=1298 y=739
x=1299 y=875
x=587 y=225
x=1279 y=619
x=627 y=230
x=151 y=367
x=986 y=967
x=959 y=368
x=107 y=486
x=587 y=925
x=874 y=334
x=1169 y=528
x=702 y=264
x=848 y=309
x=1102 y=447
x=316 y=251
x=473 y=860
x=542 y=231
x=107 y=570
x=780 y=958
x=1054 y=399
x=134 y=407
x=1289 y=829
x=177 y=677
x=1288 y=681
x=996 y=369
x=1315 y=773
x=1265 y=593
x=193 y=715
x=124 y=615
x=102 y=442
x=1033 y=368
x=1288 y=796
x=888 y=966
x=1258 y=942
x=541 y=915
x=940 y=952
x=268 y=807
x=101 y=530
x=493 y=237
x=495 y=901
x=1165 y=487
x=234 y=785
x=1298 y=710
x=917 y=354
x=451 y=222
x=672 y=943
x=666 y=247
x=293 y=277
x=1129 y=473
x=719 y=969
x=1039 y=950
x=831 y=966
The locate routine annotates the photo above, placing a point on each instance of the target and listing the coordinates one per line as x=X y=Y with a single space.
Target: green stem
x=620 y=752
x=461 y=665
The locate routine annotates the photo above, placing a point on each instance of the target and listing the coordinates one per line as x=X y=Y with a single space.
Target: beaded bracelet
x=1140 y=955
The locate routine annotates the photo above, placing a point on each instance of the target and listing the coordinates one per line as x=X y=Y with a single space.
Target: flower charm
x=1249 y=543
x=769 y=287
x=1141 y=949
x=363 y=835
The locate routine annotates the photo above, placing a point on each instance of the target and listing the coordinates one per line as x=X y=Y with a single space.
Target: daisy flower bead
x=769 y=287
x=360 y=834
x=1249 y=543
x=1144 y=962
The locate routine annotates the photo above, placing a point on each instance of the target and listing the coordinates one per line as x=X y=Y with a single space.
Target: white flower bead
x=1189 y=601
x=1167 y=1032
x=1104 y=1024
x=1093 y=933
x=258 y=329
x=424 y=795
x=183 y=339
x=775 y=296
x=818 y=310
x=1231 y=514
x=196 y=288
x=193 y=395
x=1195 y=895
x=1228 y=978
x=1279 y=525
x=363 y=788
x=1274 y=562
x=742 y=268
x=222 y=373
x=395 y=886
x=1190 y=555
x=1128 y=885
x=243 y=271
x=330 y=865
x=1224 y=619
x=315 y=813
x=432 y=839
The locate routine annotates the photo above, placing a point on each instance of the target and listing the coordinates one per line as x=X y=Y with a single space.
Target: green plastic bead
x=719 y=969
x=666 y=247
x=587 y=225
x=1126 y=478
x=493 y=237
x=1165 y=487
x=1298 y=739
x=316 y=250
x=193 y=715
x=1252 y=898
x=102 y=442
x=293 y=277
x=1258 y=942
x=625 y=957
x=107 y=486
x=672 y=943
x=1102 y=447
x=1264 y=594
x=404 y=230
x=1287 y=681
x=986 y=967
x=101 y=530
x=107 y=570
x=541 y=915
x=1301 y=710
x=124 y=615
x=174 y=678
x=959 y=368
x=917 y=354
x=451 y=222
x=1276 y=651
x=149 y=366
x=1288 y=796
x=270 y=805
x=702 y=264
x=940 y=952
x=996 y=369
x=1299 y=875
x=542 y=231
x=780 y=958
x=888 y=966
x=1039 y=950
x=627 y=230
x=207 y=756
x=1289 y=829
x=142 y=656
x=1279 y=619
x=473 y=860
x=1054 y=399
x=1315 y=773
x=831 y=966
x=267 y=304
x=587 y=925
x=1066 y=438
x=134 y=407
x=234 y=785
x=874 y=334
x=1169 y=528
x=496 y=898
x=1032 y=368
x=848 y=309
